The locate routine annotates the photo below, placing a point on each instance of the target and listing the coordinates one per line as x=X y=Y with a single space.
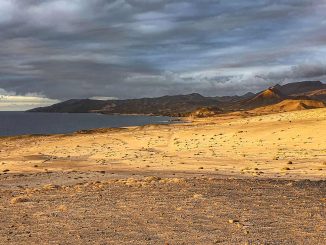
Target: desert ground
x=239 y=178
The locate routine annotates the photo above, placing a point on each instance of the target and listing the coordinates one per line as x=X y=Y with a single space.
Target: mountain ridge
x=184 y=105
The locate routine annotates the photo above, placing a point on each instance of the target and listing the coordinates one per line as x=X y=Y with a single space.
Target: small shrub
x=19 y=199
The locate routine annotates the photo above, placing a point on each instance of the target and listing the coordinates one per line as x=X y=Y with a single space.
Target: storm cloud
x=62 y=49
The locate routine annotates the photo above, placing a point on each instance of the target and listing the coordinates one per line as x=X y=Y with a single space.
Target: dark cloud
x=133 y=48
x=310 y=71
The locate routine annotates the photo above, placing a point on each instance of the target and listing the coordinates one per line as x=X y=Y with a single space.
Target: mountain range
x=183 y=105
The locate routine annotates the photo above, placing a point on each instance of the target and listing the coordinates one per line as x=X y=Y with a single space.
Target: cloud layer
x=134 y=48
x=13 y=102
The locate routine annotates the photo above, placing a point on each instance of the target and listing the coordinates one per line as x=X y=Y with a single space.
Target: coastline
x=19 y=123
x=227 y=144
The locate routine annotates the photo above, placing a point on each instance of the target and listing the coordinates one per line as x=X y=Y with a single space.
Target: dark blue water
x=18 y=123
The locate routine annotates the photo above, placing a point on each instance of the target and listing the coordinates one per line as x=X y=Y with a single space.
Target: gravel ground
x=84 y=208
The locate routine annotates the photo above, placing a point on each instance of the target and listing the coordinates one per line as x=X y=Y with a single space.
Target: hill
x=269 y=96
x=301 y=87
x=291 y=105
x=73 y=105
x=178 y=105
x=319 y=94
x=206 y=112
x=305 y=90
x=184 y=105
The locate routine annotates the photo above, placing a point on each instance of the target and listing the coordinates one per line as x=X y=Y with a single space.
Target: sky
x=54 y=50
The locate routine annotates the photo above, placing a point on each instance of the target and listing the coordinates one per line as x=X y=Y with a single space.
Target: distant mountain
x=178 y=105
x=319 y=94
x=184 y=105
x=301 y=87
x=73 y=105
x=300 y=90
x=234 y=98
x=269 y=96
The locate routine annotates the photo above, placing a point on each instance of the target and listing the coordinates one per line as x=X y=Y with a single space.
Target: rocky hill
x=269 y=96
x=301 y=87
x=306 y=90
x=319 y=94
x=206 y=112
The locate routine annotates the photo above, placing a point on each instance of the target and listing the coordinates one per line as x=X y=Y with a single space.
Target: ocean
x=21 y=123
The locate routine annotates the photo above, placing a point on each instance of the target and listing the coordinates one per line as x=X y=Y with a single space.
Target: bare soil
x=233 y=179
x=169 y=208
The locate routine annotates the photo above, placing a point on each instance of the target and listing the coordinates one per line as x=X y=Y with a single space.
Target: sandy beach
x=233 y=179
x=291 y=144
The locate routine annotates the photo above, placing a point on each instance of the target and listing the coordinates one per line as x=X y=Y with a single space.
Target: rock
x=232 y=221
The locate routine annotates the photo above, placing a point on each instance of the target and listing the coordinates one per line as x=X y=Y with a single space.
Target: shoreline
x=169 y=120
